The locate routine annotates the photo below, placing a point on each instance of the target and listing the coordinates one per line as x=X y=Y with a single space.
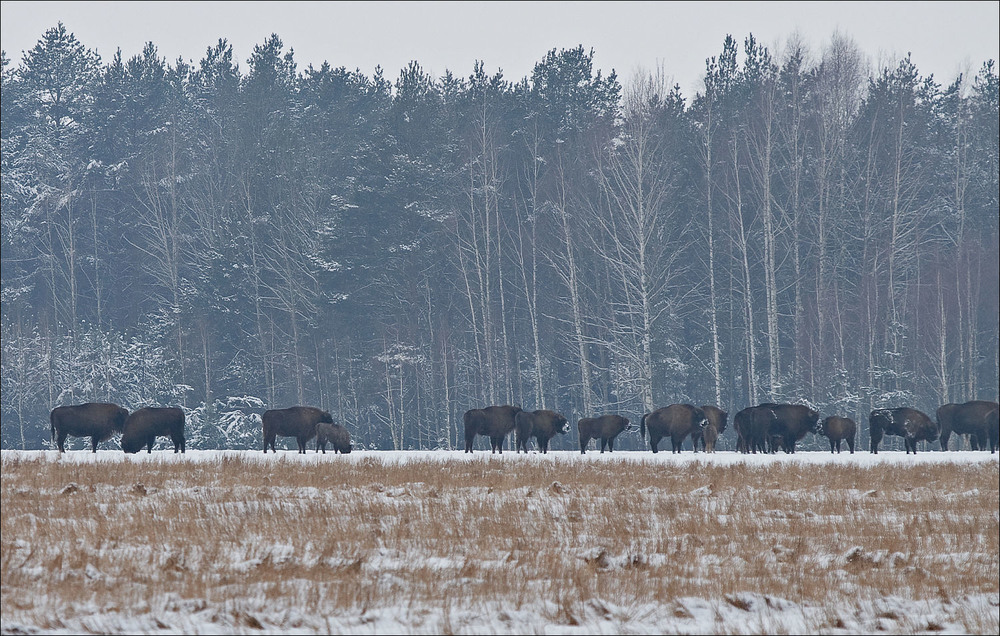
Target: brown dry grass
x=241 y=537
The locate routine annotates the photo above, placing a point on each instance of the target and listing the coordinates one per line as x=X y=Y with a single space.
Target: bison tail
x=642 y=426
x=52 y=422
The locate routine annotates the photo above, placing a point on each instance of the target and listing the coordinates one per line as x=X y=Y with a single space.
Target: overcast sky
x=944 y=37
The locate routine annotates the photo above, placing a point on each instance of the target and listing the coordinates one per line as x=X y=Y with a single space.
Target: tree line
x=807 y=227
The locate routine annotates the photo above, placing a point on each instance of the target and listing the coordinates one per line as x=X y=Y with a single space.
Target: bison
x=910 y=424
x=676 y=421
x=993 y=429
x=297 y=421
x=753 y=425
x=717 y=419
x=604 y=428
x=965 y=419
x=143 y=426
x=494 y=422
x=790 y=424
x=709 y=435
x=96 y=420
x=334 y=434
x=838 y=429
x=542 y=425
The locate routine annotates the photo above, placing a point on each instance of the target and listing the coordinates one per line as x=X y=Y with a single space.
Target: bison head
x=131 y=444
x=561 y=424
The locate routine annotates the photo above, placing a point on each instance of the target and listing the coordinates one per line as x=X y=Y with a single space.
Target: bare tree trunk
x=743 y=246
x=569 y=274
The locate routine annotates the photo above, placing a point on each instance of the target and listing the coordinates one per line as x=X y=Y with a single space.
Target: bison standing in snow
x=604 y=428
x=334 y=434
x=791 y=423
x=543 y=425
x=715 y=425
x=297 y=421
x=494 y=422
x=965 y=419
x=838 y=429
x=143 y=426
x=676 y=421
x=910 y=424
x=96 y=420
x=753 y=425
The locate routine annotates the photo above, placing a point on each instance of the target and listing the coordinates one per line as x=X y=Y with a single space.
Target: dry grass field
x=238 y=543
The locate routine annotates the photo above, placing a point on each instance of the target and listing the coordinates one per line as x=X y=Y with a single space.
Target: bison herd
x=100 y=421
x=765 y=428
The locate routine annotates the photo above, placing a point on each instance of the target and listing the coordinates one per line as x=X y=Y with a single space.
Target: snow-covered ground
x=725 y=458
x=97 y=543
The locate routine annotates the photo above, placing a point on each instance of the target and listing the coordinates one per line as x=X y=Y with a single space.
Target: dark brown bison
x=494 y=422
x=965 y=419
x=334 y=434
x=993 y=429
x=604 y=428
x=96 y=420
x=296 y=421
x=543 y=425
x=910 y=424
x=838 y=429
x=717 y=419
x=790 y=424
x=143 y=426
x=752 y=426
x=676 y=421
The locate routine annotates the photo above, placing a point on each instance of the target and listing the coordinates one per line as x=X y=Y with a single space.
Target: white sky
x=944 y=37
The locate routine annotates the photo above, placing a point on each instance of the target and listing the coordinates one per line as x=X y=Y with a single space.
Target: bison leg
x=654 y=442
x=93 y=443
x=850 y=444
x=611 y=444
x=583 y=445
x=544 y=443
x=62 y=441
x=945 y=436
x=875 y=440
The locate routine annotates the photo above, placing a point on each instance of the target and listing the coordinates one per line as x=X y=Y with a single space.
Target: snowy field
x=447 y=542
x=722 y=458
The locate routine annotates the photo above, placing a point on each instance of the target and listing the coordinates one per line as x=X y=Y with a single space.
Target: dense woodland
x=234 y=237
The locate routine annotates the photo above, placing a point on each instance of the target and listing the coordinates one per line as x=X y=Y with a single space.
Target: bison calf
x=709 y=435
x=604 y=428
x=543 y=425
x=717 y=419
x=297 y=421
x=334 y=434
x=143 y=426
x=838 y=429
x=96 y=420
